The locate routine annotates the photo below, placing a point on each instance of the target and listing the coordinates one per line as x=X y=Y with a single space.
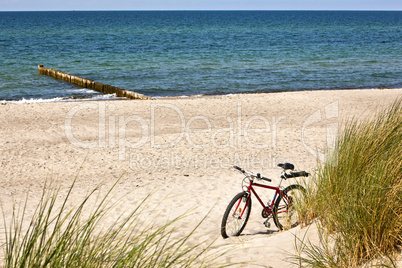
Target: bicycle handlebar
x=258 y=176
x=284 y=176
x=239 y=168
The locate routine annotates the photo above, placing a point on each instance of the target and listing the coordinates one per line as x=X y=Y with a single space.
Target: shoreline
x=180 y=149
x=112 y=97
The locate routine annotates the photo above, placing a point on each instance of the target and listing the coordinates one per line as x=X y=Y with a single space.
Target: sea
x=187 y=53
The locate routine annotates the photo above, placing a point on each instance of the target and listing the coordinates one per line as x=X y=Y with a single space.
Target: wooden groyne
x=86 y=83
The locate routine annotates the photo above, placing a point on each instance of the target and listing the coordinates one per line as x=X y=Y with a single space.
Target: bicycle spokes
x=236 y=215
x=287 y=213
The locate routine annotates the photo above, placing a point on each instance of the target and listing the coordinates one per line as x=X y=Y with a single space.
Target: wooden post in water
x=86 y=83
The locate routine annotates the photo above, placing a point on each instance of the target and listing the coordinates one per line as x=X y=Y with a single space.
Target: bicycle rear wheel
x=285 y=210
x=236 y=215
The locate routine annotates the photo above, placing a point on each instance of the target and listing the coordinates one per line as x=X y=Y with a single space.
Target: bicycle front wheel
x=236 y=215
x=286 y=207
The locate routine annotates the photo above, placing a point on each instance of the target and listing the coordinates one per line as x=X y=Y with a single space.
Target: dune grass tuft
x=57 y=236
x=357 y=197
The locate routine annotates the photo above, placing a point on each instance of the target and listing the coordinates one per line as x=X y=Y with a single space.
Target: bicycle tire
x=285 y=209
x=232 y=225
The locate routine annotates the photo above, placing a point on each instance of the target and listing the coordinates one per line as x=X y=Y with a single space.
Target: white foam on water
x=63 y=99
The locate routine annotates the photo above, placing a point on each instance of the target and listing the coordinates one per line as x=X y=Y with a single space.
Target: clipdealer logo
x=129 y=133
x=330 y=117
x=256 y=132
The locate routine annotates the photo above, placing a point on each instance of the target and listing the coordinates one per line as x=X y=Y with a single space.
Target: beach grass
x=60 y=236
x=357 y=195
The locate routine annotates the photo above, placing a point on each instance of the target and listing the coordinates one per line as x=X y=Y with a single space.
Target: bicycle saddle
x=286 y=166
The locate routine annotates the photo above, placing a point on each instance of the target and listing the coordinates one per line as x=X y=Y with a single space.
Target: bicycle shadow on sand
x=268 y=232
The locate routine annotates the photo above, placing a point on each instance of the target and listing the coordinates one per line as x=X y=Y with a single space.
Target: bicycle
x=282 y=208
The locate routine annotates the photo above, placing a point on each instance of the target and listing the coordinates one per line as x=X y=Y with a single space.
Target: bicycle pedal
x=264 y=214
x=267 y=224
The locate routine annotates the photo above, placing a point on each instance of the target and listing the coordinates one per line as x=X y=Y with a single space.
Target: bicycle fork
x=241 y=209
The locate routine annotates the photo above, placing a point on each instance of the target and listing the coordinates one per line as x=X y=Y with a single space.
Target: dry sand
x=179 y=148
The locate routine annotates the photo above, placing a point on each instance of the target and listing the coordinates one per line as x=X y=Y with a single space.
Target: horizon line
x=179 y=10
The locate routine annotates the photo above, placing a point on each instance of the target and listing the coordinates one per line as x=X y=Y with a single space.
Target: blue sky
x=22 y=5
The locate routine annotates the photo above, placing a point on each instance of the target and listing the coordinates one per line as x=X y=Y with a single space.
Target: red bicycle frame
x=250 y=190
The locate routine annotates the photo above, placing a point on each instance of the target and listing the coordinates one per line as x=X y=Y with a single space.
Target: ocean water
x=179 y=53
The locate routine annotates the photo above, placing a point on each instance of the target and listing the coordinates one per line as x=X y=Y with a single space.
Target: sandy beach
x=181 y=150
